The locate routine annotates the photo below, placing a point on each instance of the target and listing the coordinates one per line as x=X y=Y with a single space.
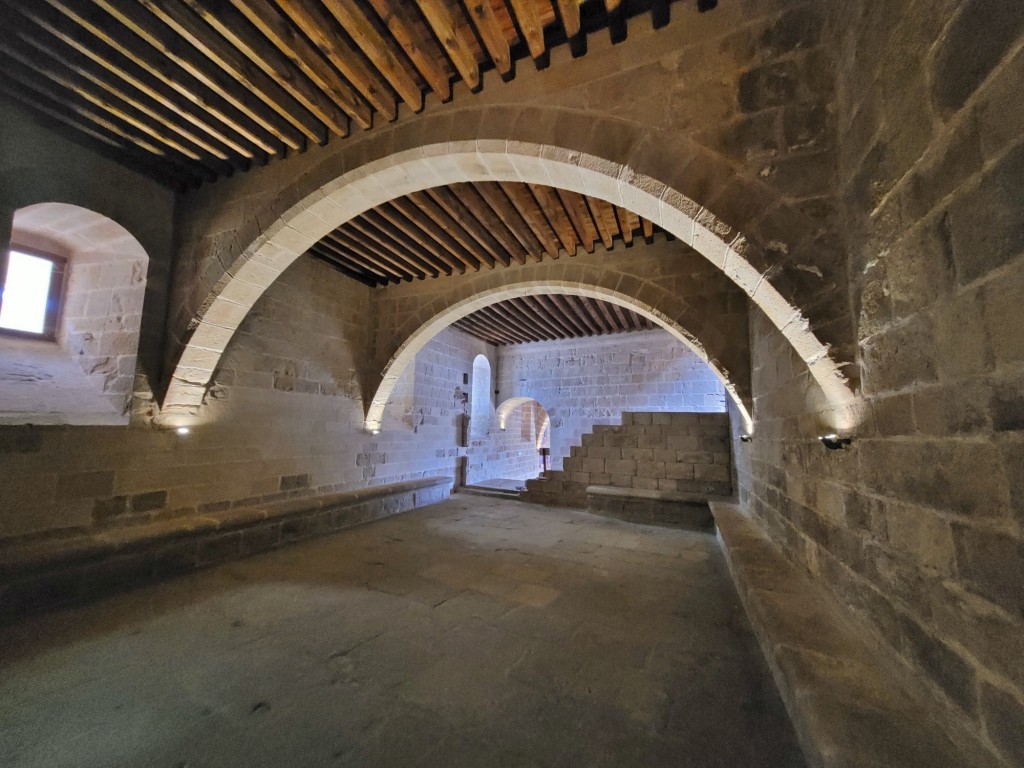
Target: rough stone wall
x=587 y=382
x=917 y=525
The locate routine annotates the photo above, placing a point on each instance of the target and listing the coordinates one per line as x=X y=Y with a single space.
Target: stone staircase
x=665 y=458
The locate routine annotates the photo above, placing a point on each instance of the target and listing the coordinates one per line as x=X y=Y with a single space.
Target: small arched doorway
x=512 y=453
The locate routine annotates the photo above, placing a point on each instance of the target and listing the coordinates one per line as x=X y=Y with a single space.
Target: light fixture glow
x=834 y=442
x=182 y=430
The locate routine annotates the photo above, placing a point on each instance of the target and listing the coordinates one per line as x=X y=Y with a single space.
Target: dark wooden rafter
x=216 y=85
x=532 y=318
x=448 y=229
x=495 y=197
x=490 y=221
x=133 y=28
x=491 y=32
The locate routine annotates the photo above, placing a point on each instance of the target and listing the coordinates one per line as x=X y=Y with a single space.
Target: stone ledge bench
x=65 y=569
x=676 y=509
x=852 y=703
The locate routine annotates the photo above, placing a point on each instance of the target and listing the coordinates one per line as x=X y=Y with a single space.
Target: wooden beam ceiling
x=474 y=227
x=187 y=91
x=547 y=317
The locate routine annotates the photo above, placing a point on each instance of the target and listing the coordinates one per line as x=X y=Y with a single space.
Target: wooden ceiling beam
x=364 y=234
x=604 y=308
x=489 y=220
x=280 y=32
x=360 y=254
x=410 y=238
x=227 y=56
x=491 y=33
x=648 y=227
x=89 y=112
x=573 y=307
x=388 y=239
x=494 y=329
x=177 y=58
x=622 y=317
x=453 y=207
x=495 y=197
x=451 y=227
x=395 y=218
x=36 y=63
x=538 y=304
x=320 y=29
x=558 y=219
x=513 y=315
x=34 y=46
x=337 y=264
x=595 y=314
x=599 y=212
x=495 y=334
x=506 y=320
x=453 y=38
x=625 y=227
x=55 y=116
x=236 y=29
x=341 y=254
x=442 y=238
x=167 y=74
x=530 y=25
x=569 y=10
x=568 y=318
x=576 y=208
x=110 y=58
x=378 y=50
x=531 y=213
x=401 y=25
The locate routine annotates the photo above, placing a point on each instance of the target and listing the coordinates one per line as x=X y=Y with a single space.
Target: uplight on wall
x=183 y=431
x=834 y=442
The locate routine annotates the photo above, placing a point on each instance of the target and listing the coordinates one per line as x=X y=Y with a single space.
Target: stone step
x=494 y=493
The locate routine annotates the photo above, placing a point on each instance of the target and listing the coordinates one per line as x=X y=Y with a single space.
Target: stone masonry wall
x=583 y=383
x=918 y=525
x=661 y=451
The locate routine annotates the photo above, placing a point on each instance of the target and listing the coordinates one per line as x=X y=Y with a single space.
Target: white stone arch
x=433 y=165
x=87 y=375
x=406 y=353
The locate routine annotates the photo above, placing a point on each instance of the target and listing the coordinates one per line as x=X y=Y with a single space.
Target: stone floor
x=478 y=632
x=501 y=484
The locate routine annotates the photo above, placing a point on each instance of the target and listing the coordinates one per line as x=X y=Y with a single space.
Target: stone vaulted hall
x=522 y=383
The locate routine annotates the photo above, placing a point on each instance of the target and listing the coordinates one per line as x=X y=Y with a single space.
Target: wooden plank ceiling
x=545 y=317
x=190 y=90
x=473 y=226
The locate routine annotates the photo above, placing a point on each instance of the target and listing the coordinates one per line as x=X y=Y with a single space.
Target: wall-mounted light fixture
x=834 y=442
x=746 y=438
x=182 y=431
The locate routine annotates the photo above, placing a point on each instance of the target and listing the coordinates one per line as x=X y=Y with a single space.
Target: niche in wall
x=480 y=398
x=85 y=375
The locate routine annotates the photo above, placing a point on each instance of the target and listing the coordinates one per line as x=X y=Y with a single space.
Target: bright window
x=30 y=296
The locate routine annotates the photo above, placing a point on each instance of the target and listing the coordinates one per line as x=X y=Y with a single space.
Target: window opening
x=30 y=293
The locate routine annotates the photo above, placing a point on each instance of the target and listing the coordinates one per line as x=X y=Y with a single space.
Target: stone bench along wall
x=42 y=573
x=683 y=452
